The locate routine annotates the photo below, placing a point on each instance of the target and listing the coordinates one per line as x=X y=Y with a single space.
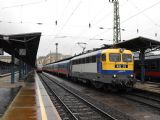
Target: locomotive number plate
x=121 y=66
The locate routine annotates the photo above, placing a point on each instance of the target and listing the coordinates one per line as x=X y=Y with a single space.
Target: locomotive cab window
x=114 y=57
x=127 y=57
x=103 y=57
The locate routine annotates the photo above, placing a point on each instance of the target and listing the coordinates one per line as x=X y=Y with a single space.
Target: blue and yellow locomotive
x=108 y=67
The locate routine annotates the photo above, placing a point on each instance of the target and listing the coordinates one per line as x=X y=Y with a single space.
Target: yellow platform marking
x=42 y=108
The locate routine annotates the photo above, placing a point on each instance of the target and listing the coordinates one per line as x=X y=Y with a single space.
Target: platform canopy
x=24 y=46
x=138 y=43
x=143 y=45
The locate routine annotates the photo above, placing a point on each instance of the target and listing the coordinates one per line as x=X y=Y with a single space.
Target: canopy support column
x=13 y=68
x=20 y=69
x=142 y=58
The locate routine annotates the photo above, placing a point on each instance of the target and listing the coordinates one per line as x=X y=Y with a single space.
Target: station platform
x=148 y=86
x=31 y=102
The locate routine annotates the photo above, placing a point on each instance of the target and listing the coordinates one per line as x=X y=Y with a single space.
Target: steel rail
x=145 y=97
x=130 y=97
x=85 y=101
x=71 y=113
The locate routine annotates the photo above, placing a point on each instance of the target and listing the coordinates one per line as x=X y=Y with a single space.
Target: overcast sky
x=73 y=18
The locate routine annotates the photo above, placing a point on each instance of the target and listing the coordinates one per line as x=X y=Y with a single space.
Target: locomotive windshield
x=127 y=57
x=114 y=57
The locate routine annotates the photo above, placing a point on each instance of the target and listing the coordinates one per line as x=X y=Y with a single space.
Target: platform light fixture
x=22 y=52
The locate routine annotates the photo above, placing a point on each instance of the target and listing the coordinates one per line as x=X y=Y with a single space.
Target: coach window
x=80 y=61
x=153 y=66
x=83 y=60
x=77 y=61
x=146 y=66
x=93 y=59
x=103 y=57
x=87 y=59
x=90 y=59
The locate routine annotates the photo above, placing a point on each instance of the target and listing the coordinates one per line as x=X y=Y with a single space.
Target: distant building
x=7 y=59
x=40 y=60
x=51 y=57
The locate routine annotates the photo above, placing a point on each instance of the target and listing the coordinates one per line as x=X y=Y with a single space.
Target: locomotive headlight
x=114 y=76
x=131 y=76
x=121 y=50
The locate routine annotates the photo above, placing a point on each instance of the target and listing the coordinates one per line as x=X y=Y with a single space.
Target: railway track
x=144 y=97
x=70 y=105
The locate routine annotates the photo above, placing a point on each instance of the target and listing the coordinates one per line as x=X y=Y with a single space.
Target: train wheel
x=129 y=89
x=98 y=85
x=105 y=87
x=112 y=89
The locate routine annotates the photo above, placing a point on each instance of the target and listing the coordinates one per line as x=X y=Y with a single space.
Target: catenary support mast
x=116 y=22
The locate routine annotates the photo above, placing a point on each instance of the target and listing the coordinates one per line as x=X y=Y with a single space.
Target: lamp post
x=56 y=51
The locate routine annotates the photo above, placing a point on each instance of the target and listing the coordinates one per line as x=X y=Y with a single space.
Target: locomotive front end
x=118 y=64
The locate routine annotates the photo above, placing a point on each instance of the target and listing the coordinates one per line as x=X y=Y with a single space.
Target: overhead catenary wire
x=21 y=9
x=126 y=20
x=151 y=20
x=107 y=15
x=92 y=23
x=153 y=5
x=25 y=4
x=69 y=17
x=65 y=8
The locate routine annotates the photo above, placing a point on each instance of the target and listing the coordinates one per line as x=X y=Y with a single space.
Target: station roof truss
x=139 y=43
x=28 y=42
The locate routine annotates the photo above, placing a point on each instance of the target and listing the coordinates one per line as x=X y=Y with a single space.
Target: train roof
x=61 y=60
x=86 y=55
